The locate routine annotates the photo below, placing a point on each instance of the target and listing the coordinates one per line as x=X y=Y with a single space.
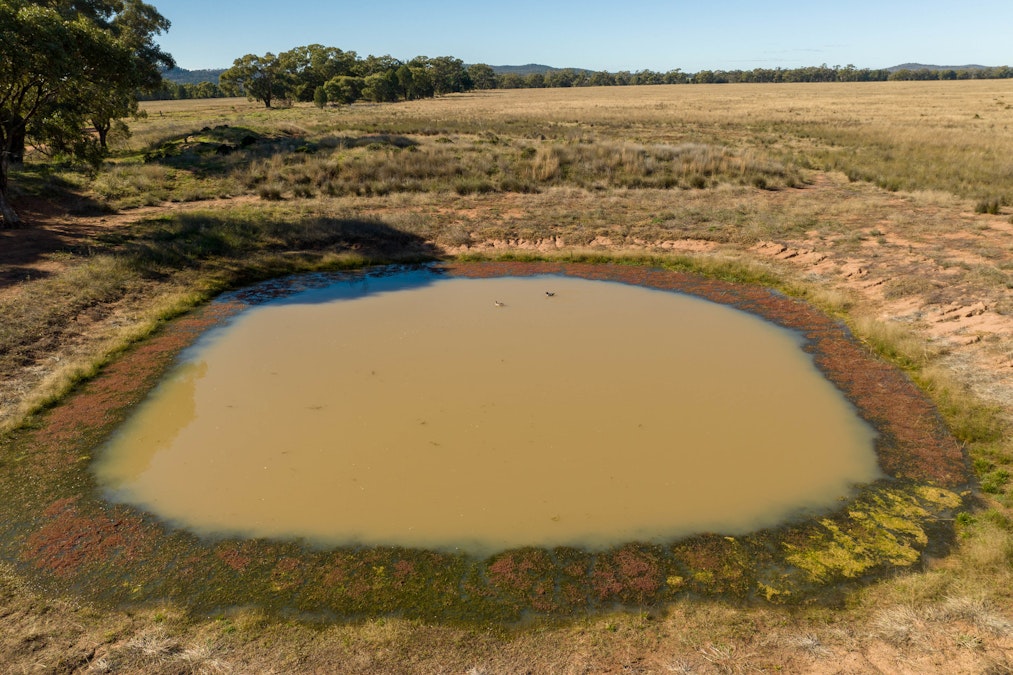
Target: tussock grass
x=912 y=136
x=277 y=169
x=895 y=342
x=129 y=185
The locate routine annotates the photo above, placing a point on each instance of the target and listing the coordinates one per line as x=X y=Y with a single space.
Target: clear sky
x=655 y=35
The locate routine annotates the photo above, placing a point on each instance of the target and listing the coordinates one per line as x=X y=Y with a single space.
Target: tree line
x=330 y=75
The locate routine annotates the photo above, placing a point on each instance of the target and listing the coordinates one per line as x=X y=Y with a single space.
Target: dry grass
x=617 y=172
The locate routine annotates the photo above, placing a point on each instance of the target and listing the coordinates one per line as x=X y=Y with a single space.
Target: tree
x=344 y=89
x=406 y=81
x=381 y=87
x=65 y=62
x=320 y=97
x=259 y=78
x=534 y=81
x=309 y=67
x=134 y=25
x=511 y=81
x=373 y=65
x=448 y=75
x=482 y=76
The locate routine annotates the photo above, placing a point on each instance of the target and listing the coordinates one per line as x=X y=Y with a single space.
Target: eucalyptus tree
x=344 y=89
x=312 y=66
x=67 y=64
x=259 y=78
x=482 y=76
x=448 y=75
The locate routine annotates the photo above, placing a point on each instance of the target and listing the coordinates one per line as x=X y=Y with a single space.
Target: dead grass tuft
x=977 y=611
x=901 y=625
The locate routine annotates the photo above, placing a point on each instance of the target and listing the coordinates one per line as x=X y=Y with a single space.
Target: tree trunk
x=14 y=134
x=103 y=133
x=10 y=218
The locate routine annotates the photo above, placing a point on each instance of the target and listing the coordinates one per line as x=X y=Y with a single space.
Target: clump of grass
x=272 y=192
x=893 y=341
x=126 y=185
x=471 y=186
x=991 y=205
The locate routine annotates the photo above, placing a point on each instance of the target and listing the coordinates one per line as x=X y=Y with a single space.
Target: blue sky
x=692 y=35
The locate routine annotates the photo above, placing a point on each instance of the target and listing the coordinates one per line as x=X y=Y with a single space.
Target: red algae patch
x=59 y=530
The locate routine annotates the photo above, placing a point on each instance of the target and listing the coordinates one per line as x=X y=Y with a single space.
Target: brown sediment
x=61 y=530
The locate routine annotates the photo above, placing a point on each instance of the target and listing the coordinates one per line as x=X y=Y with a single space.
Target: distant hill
x=184 y=76
x=922 y=66
x=532 y=68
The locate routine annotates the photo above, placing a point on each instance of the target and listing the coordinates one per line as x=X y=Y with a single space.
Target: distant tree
x=534 y=80
x=560 y=78
x=511 y=81
x=648 y=77
x=482 y=76
x=405 y=81
x=449 y=75
x=66 y=65
x=320 y=96
x=309 y=67
x=676 y=77
x=108 y=110
x=344 y=89
x=203 y=90
x=259 y=78
x=421 y=82
x=372 y=65
x=381 y=87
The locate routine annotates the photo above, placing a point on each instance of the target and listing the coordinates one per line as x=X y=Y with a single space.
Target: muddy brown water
x=483 y=414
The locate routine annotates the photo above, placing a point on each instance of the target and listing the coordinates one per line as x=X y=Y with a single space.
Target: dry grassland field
x=887 y=206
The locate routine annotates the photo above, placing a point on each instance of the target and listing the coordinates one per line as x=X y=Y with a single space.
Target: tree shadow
x=47 y=228
x=189 y=240
x=219 y=149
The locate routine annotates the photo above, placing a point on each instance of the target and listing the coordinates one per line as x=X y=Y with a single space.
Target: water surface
x=483 y=414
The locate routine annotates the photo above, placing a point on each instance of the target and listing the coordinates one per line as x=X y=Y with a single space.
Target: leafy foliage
x=67 y=65
x=300 y=73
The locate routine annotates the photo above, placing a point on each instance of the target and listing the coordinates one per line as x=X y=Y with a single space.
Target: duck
x=549 y=294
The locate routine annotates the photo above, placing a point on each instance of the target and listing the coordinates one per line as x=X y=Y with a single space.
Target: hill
x=184 y=76
x=922 y=66
x=532 y=68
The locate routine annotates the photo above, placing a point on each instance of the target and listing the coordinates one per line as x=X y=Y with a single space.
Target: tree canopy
x=300 y=73
x=70 y=66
